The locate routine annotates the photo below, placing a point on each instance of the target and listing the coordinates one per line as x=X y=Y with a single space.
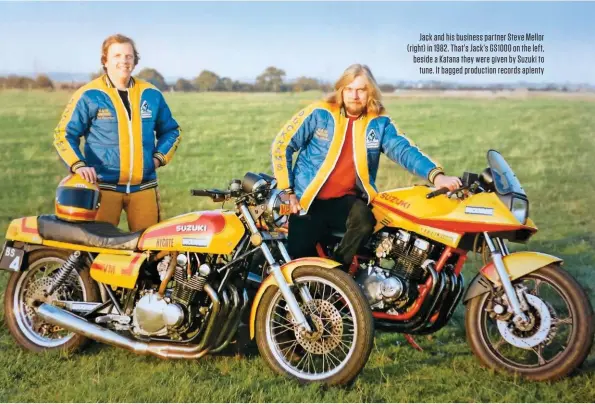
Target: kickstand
x=412 y=342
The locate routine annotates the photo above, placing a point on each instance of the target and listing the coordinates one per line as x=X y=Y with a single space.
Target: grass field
x=548 y=142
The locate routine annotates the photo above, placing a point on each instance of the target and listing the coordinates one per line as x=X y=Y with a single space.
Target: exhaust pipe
x=71 y=322
x=232 y=331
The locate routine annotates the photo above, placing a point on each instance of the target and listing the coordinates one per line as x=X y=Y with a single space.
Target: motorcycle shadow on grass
x=435 y=355
x=440 y=349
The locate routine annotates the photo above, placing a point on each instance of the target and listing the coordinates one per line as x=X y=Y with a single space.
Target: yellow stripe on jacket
x=123 y=134
x=135 y=93
x=279 y=147
x=170 y=153
x=360 y=128
x=330 y=160
x=61 y=144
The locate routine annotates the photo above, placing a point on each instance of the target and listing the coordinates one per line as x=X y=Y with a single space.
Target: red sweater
x=342 y=179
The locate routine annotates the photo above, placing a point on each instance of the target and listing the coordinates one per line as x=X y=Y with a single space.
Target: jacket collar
x=110 y=84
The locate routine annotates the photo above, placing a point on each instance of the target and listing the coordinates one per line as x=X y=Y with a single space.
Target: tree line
x=272 y=79
x=42 y=81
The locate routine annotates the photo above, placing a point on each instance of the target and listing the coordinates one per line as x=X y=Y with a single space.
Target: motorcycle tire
x=327 y=315
x=580 y=337
x=20 y=317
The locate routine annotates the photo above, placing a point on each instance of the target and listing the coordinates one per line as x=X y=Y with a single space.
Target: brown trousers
x=142 y=208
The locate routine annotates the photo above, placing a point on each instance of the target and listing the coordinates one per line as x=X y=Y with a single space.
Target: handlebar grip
x=437 y=192
x=200 y=192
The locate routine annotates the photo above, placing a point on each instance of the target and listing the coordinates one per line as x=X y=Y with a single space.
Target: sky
x=316 y=39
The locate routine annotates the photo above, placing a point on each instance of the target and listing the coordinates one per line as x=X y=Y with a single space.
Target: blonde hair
x=374 y=103
x=117 y=38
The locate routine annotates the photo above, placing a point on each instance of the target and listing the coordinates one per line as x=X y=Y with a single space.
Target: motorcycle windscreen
x=505 y=180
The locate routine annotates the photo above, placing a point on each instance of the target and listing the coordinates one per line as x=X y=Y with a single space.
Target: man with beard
x=129 y=132
x=339 y=142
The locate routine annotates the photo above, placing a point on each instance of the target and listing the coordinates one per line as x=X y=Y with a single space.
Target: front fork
x=275 y=269
x=513 y=299
x=304 y=291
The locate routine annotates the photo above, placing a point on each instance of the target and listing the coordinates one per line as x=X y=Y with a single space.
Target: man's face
x=120 y=61
x=355 y=96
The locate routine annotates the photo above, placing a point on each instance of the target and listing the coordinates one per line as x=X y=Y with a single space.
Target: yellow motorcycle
x=182 y=289
x=524 y=313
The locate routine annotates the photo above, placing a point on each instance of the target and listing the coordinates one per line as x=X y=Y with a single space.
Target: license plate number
x=12 y=258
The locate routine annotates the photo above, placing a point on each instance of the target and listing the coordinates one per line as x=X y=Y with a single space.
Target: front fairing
x=505 y=182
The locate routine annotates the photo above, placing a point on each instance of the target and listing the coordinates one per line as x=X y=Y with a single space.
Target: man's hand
x=443 y=181
x=157 y=163
x=88 y=173
x=294 y=204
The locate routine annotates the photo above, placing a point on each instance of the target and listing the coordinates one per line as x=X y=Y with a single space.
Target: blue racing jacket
x=119 y=147
x=318 y=133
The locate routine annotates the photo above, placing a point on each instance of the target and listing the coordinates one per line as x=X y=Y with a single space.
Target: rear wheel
x=27 y=287
x=338 y=349
x=557 y=338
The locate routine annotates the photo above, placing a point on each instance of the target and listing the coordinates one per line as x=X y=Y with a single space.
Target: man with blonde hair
x=339 y=142
x=129 y=132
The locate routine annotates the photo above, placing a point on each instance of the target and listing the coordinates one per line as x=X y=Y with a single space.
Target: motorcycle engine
x=156 y=315
x=407 y=253
x=390 y=282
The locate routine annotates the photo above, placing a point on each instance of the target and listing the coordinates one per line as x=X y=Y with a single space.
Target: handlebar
x=437 y=192
x=217 y=195
x=253 y=188
x=199 y=192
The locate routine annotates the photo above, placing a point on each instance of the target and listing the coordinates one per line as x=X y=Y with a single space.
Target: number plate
x=12 y=258
x=284 y=209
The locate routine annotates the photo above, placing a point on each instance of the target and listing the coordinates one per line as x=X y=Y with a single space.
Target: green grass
x=548 y=142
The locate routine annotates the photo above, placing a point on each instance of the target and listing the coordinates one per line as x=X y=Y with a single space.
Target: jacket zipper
x=129 y=138
x=355 y=162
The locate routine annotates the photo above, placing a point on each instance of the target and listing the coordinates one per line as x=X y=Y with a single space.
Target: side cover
x=117 y=270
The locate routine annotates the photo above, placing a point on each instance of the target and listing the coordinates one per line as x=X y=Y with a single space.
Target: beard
x=355 y=108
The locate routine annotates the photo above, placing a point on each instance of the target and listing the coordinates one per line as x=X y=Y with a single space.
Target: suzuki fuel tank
x=214 y=232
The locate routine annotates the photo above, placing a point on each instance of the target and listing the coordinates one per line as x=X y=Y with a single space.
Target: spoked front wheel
x=557 y=337
x=337 y=349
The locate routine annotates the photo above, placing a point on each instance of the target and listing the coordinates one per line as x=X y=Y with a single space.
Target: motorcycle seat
x=91 y=234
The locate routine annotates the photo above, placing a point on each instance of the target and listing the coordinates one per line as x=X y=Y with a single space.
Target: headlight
x=253 y=183
x=276 y=209
x=520 y=209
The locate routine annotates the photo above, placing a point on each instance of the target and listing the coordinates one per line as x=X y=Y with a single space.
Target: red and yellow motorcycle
x=524 y=313
x=182 y=289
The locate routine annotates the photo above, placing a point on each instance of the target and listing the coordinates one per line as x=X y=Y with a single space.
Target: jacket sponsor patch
x=145 y=112
x=321 y=134
x=104 y=113
x=477 y=210
x=372 y=140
